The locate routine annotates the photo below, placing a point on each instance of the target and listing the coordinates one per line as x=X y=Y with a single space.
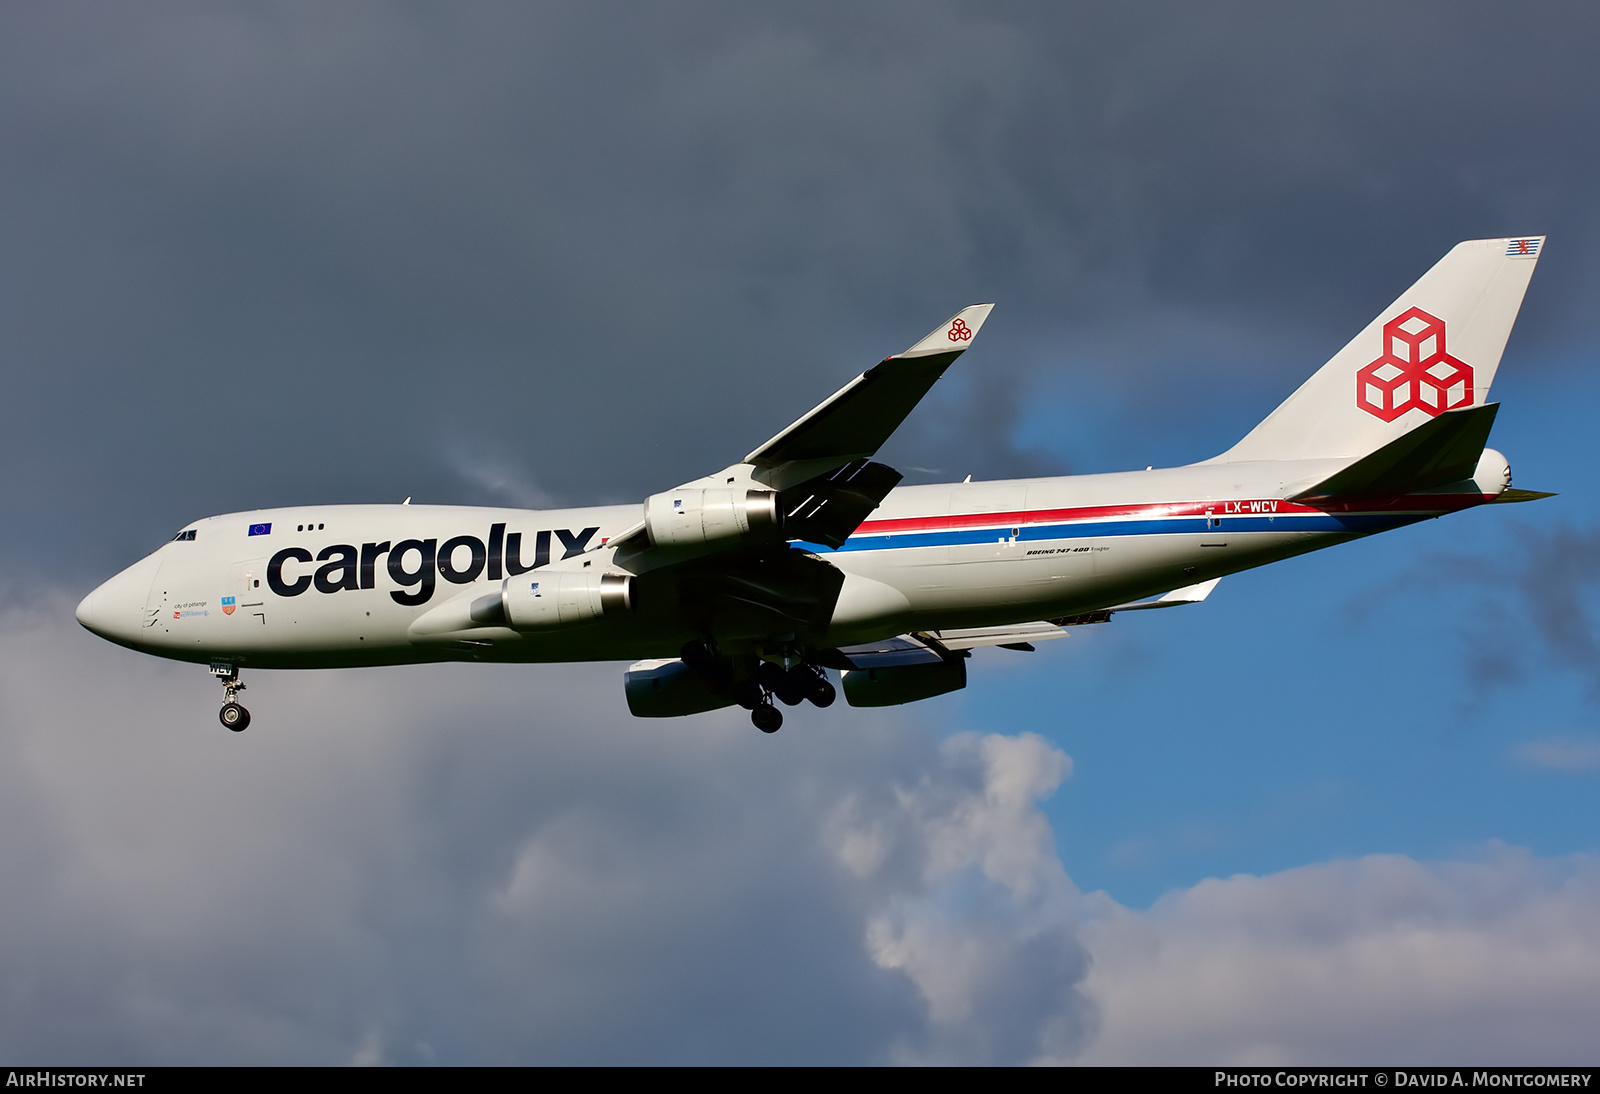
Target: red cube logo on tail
x=1414 y=372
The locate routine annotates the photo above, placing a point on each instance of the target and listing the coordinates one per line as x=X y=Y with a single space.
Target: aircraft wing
x=925 y=647
x=819 y=466
x=855 y=421
x=1016 y=636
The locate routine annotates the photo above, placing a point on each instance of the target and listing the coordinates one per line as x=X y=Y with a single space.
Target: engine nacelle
x=540 y=599
x=888 y=687
x=669 y=689
x=686 y=518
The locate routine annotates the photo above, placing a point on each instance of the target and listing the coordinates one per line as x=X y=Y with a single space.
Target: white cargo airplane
x=747 y=585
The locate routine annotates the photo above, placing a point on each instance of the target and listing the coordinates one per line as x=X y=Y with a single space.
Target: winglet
x=854 y=421
x=955 y=333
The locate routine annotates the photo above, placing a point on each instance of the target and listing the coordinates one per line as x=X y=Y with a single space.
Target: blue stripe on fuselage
x=1349 y=523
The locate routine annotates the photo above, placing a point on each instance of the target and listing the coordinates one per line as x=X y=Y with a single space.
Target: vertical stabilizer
x=1434 y=349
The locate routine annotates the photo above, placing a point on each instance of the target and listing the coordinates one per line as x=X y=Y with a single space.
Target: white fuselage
x=342 y=585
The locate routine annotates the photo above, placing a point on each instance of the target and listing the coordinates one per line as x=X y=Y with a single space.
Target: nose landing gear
x=232 y=714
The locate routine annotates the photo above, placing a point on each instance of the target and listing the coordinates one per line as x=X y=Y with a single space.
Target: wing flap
x=828 y=508
x=906 y=649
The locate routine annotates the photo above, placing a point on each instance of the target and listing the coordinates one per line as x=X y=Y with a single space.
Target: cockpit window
x=185 y=536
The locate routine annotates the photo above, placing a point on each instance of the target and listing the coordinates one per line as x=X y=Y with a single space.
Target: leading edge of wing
x=856 y=420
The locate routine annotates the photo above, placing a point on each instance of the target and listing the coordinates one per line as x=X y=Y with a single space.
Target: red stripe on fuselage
x=1415 y=503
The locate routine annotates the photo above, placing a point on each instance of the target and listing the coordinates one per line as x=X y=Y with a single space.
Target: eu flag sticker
x=261 y=529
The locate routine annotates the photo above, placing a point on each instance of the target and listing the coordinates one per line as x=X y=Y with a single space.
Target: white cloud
x=465 y=863
x=496 y=864
x=1376 y=960
x=502 y=481
x=970 y=900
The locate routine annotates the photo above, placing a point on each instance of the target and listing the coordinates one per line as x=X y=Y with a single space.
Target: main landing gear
x=754 y=684
x=790 y=687
x=232 y=715
x=767 y=718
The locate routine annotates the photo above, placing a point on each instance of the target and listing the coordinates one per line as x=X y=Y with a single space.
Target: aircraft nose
x=115 y=610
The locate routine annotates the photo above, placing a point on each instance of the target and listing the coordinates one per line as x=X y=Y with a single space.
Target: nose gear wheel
x=233 y=714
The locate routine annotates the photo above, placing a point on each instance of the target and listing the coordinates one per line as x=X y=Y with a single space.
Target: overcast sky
x=533 y=254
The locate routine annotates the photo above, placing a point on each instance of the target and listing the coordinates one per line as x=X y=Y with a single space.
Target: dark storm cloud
x=261 y=255
x=1557 y=583
x=252 y=256
x=1532 y=607
x=462 y=864
x=447 y=865
x=1546 y=588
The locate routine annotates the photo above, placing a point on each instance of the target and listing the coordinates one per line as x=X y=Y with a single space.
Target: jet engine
x=896 y=684
x=560 y=598
x=670 y=689
x=690 y=517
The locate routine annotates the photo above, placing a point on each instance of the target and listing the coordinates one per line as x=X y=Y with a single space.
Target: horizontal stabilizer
x=1189 y=594
x=1511 y=494
x=1437 y=452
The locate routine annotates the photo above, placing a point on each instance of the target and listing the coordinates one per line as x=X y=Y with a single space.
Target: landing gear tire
x=747 y=693
x=767 y=718
x=823 y=694
x=234 y=716
x=789 y=686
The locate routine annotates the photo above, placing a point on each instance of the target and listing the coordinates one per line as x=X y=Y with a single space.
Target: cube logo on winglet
x=1414 y=372
x=959 y=331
